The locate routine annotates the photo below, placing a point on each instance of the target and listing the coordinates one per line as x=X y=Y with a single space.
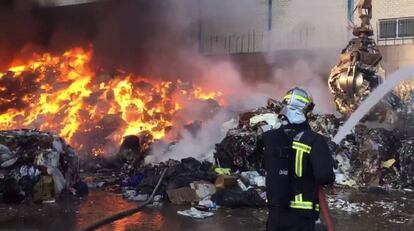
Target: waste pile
x=192 y=181
x=369 y=157
x=237 y=150
x=37 y=166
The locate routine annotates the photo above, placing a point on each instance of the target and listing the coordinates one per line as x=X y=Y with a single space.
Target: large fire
x=64 y=94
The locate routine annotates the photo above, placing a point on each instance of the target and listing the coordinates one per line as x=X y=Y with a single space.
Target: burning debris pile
x=36 y=165
x=369 y=157
x=92 y=109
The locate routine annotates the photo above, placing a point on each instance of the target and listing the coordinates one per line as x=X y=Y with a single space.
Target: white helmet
x=296 y=104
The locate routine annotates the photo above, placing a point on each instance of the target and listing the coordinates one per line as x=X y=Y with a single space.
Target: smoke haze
x=160 y=39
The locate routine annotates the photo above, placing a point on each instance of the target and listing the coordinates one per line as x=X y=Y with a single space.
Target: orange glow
x=64 y=94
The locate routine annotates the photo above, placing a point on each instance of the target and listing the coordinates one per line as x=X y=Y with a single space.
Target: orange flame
x=63 y=94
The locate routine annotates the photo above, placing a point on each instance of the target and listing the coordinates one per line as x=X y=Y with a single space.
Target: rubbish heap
x=237 y=150
x=192 y=181
x=36 y=166
x=369 y=157
x=32 y=161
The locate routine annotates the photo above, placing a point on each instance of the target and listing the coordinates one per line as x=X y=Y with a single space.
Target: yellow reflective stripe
x=298 y=162
x=301 y=144
x=304 y=99
x=300 y=149
x=298 y=198
x=303 y=205
x=298 y=145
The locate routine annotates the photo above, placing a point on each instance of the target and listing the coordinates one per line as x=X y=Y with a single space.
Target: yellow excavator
x=359 y=70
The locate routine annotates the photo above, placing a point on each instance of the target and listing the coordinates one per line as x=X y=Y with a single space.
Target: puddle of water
x=70 y=215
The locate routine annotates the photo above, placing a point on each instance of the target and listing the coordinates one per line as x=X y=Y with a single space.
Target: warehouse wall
x=242 y=26
x=396 y=53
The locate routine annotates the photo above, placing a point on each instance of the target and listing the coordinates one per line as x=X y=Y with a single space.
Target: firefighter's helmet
x=297 y=103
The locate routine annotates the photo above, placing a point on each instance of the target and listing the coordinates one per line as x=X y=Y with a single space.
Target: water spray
x=390 y=83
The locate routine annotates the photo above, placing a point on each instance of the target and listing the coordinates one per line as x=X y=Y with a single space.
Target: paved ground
x=382 y=213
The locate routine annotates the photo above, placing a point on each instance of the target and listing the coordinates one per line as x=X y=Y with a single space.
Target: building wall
x=233 y=26
x=242 y=26
x=396 y=53
x=386 y=9
x=397 y=56
x=309 y=25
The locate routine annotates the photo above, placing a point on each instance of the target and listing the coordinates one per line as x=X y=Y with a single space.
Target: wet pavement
x=367 y=212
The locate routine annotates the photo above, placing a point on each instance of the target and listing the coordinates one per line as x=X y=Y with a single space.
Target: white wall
x=239 y=26
x=233 y=26
x=304 y=24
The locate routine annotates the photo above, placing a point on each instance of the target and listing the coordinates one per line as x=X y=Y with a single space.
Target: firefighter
x=297 y=161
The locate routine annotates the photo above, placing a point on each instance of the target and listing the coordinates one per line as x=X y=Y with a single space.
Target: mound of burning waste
x=35 y=165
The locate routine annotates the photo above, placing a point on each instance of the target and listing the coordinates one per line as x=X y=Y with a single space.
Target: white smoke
x=199 y=146
x=221 y=74
x=300 y=74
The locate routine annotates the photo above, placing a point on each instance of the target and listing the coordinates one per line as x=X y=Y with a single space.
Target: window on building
x=388 y=28
x=406 y=27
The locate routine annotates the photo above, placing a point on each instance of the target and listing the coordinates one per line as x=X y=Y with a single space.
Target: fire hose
x=128 y=212
x=325 y=210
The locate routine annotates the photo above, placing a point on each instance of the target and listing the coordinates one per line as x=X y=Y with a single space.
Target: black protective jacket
x=311 y=165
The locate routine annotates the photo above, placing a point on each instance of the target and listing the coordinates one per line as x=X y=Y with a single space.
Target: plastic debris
x=267 y=118
x=346 y=206
x=222 y=171
x=208 y=204
x=249 y=176
x=29 y=157
x=194 y=213
x=242 y=186
x=7 y=158
x=388 y=163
